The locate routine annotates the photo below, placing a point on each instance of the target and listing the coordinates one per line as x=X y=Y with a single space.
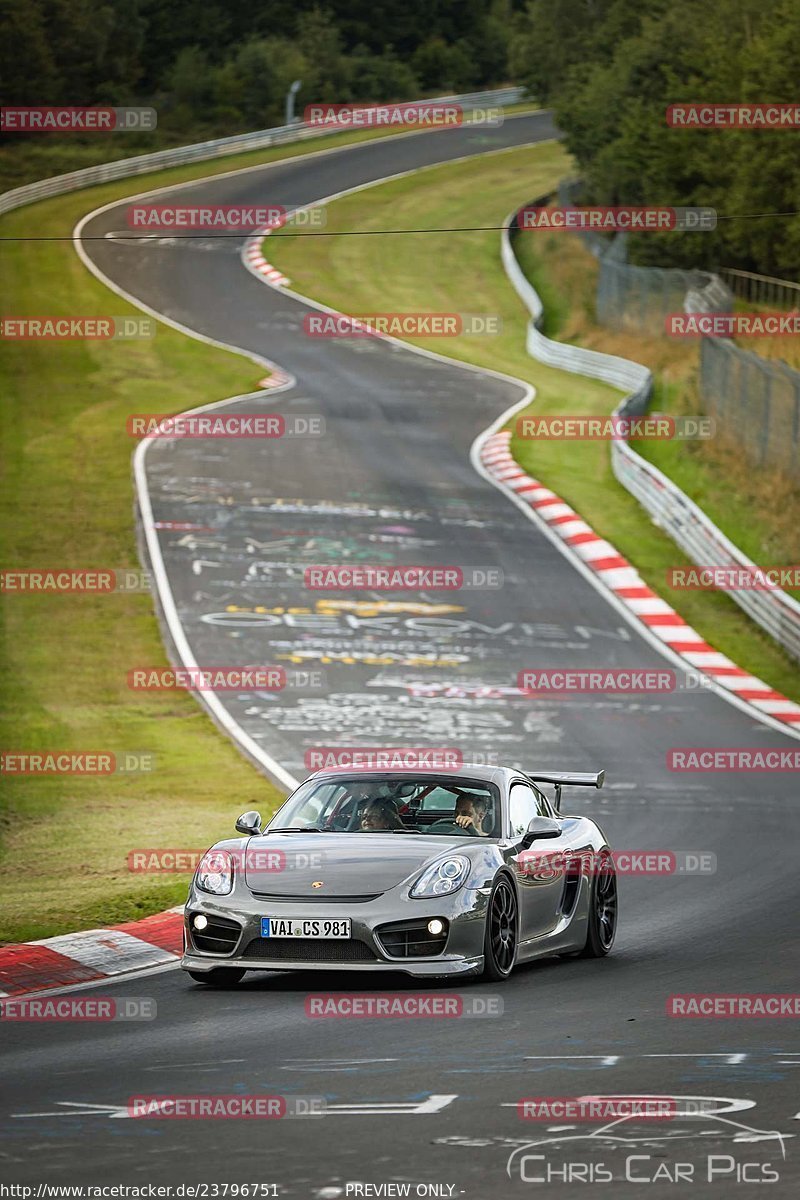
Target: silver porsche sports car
x=433 y=873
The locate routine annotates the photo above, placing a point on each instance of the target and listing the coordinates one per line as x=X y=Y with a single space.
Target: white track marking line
x=228 y=722
x=167 y=600
x=120 y=977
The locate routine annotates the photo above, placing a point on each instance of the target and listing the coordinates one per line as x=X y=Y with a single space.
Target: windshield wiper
x=384 y=831
x=300 y=829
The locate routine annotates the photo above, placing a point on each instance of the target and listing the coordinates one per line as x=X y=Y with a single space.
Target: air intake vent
x=219 y=936
x=572 y=881
x=316 y=950
x=314 y=898
x=411 y=939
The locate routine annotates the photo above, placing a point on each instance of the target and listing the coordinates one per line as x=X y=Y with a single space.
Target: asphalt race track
x=425 y=1101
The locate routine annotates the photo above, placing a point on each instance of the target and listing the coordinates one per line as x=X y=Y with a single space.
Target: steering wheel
x=445 y=821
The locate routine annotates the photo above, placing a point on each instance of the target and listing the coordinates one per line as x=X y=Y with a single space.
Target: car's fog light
x=199 y=922
x=435 y=926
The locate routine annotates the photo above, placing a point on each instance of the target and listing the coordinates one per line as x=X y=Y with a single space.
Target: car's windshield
x=433 y=805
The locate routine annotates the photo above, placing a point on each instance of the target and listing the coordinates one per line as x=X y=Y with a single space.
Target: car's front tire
x=218 y=977
x=500 y=938
x=602 y=922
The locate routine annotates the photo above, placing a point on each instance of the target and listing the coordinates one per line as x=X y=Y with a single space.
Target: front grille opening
x=411 y=939
x=315 y=950
x=219 y=936
x=314 y=898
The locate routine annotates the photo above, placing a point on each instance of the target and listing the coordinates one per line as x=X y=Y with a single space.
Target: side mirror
x=541 y=827
x=249 y=823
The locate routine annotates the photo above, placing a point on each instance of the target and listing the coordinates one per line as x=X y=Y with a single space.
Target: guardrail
x=141 y=164
x=686 y=523
x=757 y=399
x=762 y=289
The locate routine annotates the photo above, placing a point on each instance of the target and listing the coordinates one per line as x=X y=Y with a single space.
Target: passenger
x=380 y=814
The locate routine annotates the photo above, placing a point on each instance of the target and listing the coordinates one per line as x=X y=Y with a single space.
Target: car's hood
x=341 y=864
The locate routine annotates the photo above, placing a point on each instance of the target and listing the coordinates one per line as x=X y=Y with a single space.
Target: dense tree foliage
x=229 y=62
x=610 y=68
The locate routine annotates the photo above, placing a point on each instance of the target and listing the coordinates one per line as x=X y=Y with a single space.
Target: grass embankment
x=758 y=511
x=66 y=501
x=453 y=272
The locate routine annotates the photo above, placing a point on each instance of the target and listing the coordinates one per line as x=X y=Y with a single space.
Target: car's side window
x=523 y=806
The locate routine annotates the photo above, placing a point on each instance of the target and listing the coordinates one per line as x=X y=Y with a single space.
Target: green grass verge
x=461 y=272
x=759 y=511
x=66 y=500
x=66 y=497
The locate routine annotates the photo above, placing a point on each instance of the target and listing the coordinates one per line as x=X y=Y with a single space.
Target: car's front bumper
x=462 y=954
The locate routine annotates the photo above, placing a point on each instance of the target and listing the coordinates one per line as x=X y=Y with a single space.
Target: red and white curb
x=77 y=958
x=253 y=259
x=621 y=578
x=278 y=379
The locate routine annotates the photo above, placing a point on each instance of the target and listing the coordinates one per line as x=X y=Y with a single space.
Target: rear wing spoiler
x=561 y=779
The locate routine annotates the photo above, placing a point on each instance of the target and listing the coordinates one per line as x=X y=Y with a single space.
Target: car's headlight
x=215 y=872
x=441 y=878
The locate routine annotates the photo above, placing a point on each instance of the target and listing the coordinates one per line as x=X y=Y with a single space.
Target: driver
x=380 y=813
x=471 y=812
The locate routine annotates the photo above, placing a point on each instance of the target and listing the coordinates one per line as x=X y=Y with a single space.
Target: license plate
x=292 y=927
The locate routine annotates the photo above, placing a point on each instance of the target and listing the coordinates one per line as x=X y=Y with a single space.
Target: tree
x=26 y=53
x=440 y=67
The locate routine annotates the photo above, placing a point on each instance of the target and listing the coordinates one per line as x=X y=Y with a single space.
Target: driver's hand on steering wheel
x=465 y=821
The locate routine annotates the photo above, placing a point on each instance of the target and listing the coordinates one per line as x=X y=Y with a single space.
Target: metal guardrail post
x=124 y=168
x=683 y=520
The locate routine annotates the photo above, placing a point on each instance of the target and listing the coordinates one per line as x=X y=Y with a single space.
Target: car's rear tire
x=500 y=938
x=218 y=977
x=602 y=922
